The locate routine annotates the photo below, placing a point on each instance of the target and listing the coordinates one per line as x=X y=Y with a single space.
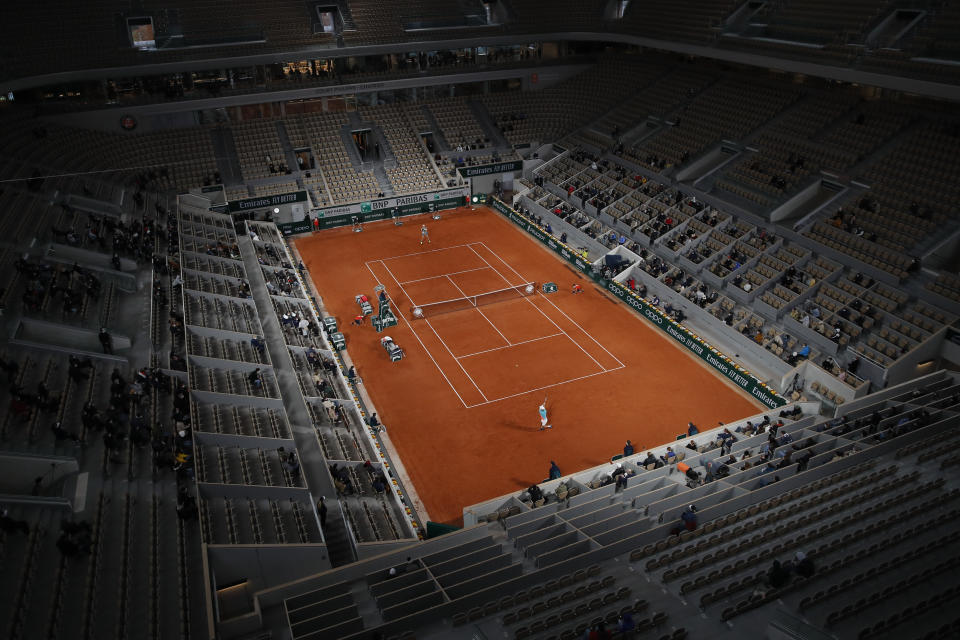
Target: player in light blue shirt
x=543 y=418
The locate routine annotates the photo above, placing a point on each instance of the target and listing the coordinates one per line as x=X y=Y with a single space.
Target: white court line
x=417 y=253
x=417 y=336
x=514 y=344
x=579 y=346
x=546 y=386
x=586 y=333
x=442 y=275
x=477 y=309
x=436 y=334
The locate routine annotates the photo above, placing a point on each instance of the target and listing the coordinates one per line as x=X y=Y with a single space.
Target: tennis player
x=424 y=234
x=543 y=418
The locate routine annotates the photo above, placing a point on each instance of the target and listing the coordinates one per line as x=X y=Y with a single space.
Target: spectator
x=290 y=461
x=628 y=449
x=778 y=576
x=322 y=509
x=620 y=478
x=692 y=429
x=802 y=354
x=650 y=459
x=186 y=504
x=106 y=340
x=626 y=624
x=62 y=434
x=689 y=517
x=535 y=493
x=11 y=525
x=803 y=565
x=555 y=471
x=254 y=378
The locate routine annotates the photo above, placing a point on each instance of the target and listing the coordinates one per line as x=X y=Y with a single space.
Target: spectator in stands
x=535 y=493
x=62 y=434
x=803 y=565
x=290 y=461
x=691 y=445
x=628 y=449
x=106 y=340
x=854 y=365
x=75 y=537
x=803 y=461
x=620 y=476
x=186 y=504
x=11 y=368
x=778 y=575
x=331 y=411
x=626 y=624
x=692 y=429
x=322 y=510
x=650 y=459
x=555 y=471
x=11 y=525
x=689 y=517
x=254 y=378
x=802 y=354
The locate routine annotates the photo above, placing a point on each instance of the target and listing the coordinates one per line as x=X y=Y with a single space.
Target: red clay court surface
x=461 y=407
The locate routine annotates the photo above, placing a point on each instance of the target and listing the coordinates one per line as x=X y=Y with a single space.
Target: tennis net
x=469 y=302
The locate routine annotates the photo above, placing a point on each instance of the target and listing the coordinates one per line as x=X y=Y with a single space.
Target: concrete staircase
x=383 y=180
x=311 y=456
x=228 y=161
x=286 y=145
x=485 y=120
x=438 y=138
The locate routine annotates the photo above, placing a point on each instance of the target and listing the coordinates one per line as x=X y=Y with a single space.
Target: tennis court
x=461 y=407
x=491 y=334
